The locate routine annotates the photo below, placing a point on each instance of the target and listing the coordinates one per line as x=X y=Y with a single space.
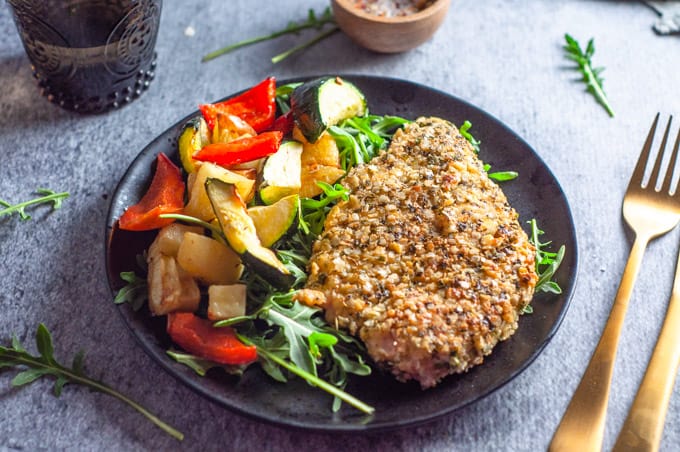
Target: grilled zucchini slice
x=324 y=102
x=193 y=137
x=241 y=234
x=281 y=173
x=274 y=221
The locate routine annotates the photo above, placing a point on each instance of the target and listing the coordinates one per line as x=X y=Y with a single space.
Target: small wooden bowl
x=389 y=34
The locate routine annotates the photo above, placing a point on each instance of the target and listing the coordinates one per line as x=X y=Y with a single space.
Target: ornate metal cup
x=89 y=55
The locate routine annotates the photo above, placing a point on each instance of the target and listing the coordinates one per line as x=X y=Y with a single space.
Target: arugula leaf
x=44 y=364
x=311 y=379
x=287 y=331
x=276 y=345
x=501 y=176
x=215 y=231
x=591 y=75
x=301 y=338
x=465 y=131
x=202 y=366
x=311 y=22
x=48 y=197
x=135 y=292
x=318 y=38
x=283 y=96
x=295 y=322
x=296 y=264
x=547 y=262
x=359 y=139
x=314 y=211
x=318 y=340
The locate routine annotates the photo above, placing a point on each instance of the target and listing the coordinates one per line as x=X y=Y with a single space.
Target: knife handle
x=643 y=428
x=582 y=425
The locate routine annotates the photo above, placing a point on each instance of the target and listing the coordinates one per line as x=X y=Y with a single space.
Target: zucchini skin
x=187 y=144
x=241 y=235
x=305 y=102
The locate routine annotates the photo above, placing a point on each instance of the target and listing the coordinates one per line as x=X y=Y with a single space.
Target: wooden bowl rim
x=439 y=6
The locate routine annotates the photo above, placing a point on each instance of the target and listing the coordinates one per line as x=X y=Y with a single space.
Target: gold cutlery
x=643 y=427
x=649 y=213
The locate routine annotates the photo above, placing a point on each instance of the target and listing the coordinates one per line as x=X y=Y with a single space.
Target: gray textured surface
x=503 y=56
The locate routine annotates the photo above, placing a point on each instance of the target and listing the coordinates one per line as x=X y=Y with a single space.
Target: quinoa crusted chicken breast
x=426 y=262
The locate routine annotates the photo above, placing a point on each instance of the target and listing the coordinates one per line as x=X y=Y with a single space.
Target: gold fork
x=644 y=425
x=649 y=213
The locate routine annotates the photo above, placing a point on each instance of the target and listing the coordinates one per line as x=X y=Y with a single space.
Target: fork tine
x=639 y=172
x=666 y=188
x=653 y=179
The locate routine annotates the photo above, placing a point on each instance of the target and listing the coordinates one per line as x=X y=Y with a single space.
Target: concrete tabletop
x=503 y=56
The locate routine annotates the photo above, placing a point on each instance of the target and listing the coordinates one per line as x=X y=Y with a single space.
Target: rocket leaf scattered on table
x=48 y=197
x=37 y=366
x=591 y=75
x=312 y=21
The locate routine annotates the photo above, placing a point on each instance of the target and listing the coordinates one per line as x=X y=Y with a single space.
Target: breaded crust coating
x=426 y=262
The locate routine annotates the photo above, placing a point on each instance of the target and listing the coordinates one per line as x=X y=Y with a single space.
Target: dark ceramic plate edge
x=197 y=383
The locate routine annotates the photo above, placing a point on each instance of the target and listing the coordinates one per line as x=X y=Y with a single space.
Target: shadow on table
x=21 y=105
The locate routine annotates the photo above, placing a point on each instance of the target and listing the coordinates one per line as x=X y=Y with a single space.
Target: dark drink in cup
x=89 y=55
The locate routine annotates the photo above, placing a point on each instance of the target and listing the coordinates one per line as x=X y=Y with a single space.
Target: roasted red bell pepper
x=284 y=123
x=199 y=337
x=257 y=106
x=241 y=150
x=165 y=195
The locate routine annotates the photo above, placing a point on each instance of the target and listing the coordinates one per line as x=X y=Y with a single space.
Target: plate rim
x=194 y=383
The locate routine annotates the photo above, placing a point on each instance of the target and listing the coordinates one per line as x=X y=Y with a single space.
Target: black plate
x=535 y=194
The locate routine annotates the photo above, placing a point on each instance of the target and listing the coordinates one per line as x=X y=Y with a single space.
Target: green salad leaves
x=360 y=139
x=296 y=338
x=547 y=262
x=135 y=292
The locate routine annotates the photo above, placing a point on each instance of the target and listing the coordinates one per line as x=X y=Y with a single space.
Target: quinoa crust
x=426 y=262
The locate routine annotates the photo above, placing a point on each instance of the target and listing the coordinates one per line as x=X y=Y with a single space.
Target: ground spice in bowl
x=390 y=26
x=392 y=8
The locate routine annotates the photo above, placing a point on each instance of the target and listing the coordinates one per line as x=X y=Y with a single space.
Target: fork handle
x=582 y=426
x=643 y=427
